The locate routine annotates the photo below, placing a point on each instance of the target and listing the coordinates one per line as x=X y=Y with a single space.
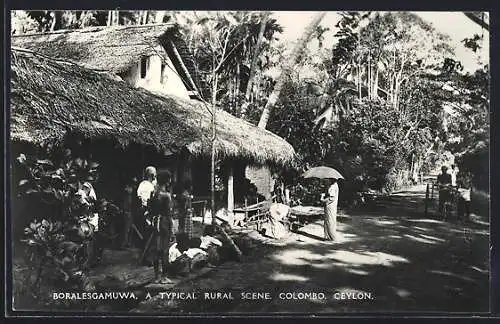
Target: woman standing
x=186 y=210
x=331 y=202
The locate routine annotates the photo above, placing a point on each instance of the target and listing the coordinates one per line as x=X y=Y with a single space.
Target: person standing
x=465 y=198
x=454 y=173
x=161 y=216
x=186 y=210
x=128 y=207
x=147 y=186
x=331 y=201
x=443 y=181
x=88 y=199
x=145 y=191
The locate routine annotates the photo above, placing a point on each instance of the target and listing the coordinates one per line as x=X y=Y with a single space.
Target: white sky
x=454 y=24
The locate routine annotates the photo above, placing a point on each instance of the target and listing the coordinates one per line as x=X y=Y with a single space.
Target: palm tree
x=295 y=57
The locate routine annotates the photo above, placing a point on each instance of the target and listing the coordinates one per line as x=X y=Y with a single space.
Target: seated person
x=185 y=255
x=277 y=214
x=211 y=245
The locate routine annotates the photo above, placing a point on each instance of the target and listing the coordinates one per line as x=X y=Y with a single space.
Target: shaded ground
x=405 y=262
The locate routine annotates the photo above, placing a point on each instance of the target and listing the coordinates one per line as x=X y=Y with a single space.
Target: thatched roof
x=50 y=99
x=114 y=49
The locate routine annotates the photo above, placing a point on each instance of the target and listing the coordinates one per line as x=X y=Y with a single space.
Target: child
x=161 y=216
x=464 y=199
x=128 y=203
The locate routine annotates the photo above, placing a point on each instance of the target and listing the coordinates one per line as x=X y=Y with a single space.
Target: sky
x=454 y=24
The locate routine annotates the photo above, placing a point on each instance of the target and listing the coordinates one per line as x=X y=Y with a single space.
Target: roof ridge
x=93 y=29
x=56 y=60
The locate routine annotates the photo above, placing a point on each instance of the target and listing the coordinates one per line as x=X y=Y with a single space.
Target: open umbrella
x=322 y=172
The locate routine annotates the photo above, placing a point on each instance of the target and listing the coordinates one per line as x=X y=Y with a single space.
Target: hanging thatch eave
x=50 y=99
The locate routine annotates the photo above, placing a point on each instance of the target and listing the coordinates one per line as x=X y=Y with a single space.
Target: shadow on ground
x=402 y=261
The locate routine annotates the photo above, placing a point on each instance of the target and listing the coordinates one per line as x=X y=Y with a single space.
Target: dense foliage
x=384 y=104
x=57 y=238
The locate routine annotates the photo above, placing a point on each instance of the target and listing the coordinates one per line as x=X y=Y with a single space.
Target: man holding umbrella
x=331 y=198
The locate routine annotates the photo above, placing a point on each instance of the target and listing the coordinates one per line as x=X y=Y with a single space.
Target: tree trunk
x=375 y=83
x=369 y=72
x=230 y=190
x=212 y=173
x=55 y=24
x=116 y=17
x=295 y=57
x=359 y=79
x=253 y=64
x=237 y=84
x=83 y=19
x=160 y=15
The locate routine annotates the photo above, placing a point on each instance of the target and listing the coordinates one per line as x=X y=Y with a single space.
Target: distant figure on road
x=331 y=201
x=443 y=181
x=465 y=198
x=453 y=173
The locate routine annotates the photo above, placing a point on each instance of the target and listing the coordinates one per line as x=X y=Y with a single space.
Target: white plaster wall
x=172 y=83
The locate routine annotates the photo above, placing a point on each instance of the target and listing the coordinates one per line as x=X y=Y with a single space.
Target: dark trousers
x=464 y=208
x=127 y=226
x=93 y=250
x=444 y=196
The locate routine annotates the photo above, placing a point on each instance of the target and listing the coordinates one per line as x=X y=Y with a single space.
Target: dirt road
x=389 y=258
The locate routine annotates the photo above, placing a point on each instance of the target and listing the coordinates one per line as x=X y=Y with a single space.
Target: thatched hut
x=51 y=99
x=155 y=58
x=152 y=56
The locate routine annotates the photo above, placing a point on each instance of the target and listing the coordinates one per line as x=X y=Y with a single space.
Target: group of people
x=171 y=243
x=447 y=183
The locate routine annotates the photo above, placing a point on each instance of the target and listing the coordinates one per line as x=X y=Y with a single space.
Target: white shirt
x=207 y=240
x=144 y=191
x=464 y=193
x=194 y=251
x=173 y=253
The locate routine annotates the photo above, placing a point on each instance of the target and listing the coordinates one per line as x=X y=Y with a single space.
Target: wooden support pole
x=426 y=200
x=230 y=190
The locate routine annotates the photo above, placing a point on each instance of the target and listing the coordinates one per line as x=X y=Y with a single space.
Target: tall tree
x=295 y=57
x=257 y=52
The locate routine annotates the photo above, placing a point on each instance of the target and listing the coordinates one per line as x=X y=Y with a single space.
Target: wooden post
x=426 y=200
x=230 y=190
x=246 y=211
